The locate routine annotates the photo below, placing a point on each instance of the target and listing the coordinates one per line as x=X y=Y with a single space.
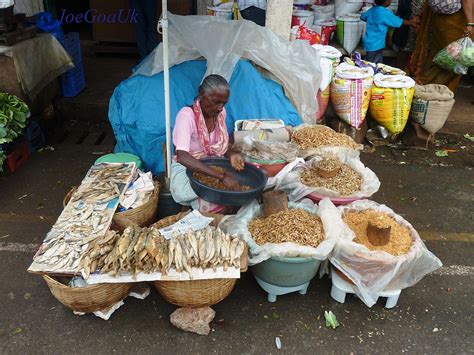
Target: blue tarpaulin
x=137 y=113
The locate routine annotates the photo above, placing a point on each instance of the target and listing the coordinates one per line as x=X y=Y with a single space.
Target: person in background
x=404 y=38
x=253 y=10
x=378 y=20
x=145 y=27
x=436 y=32
x=200 y=131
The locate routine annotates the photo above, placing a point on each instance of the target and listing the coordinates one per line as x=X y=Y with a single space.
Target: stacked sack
x=391 y=99
x=350 y=93
x=330 y=57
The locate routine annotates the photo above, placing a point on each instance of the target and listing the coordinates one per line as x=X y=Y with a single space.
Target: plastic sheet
x=376 y=271
x=238 y=224
x=294 y=64
x=136 y=109
x=289 y=181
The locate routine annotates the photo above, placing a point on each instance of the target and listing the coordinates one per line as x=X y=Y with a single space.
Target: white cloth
x=180 y=187
x=5 y=3
x=50 y=61
x=244 y=4
x=28 y=7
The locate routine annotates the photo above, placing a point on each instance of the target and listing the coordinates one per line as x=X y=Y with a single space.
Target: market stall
x=284 y=221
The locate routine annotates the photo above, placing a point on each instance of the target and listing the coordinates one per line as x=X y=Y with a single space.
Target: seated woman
x=199 y=132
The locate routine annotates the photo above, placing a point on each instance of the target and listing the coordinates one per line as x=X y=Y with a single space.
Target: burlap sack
x=431 y=106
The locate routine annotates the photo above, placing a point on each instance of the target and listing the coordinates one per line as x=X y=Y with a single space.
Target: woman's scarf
x=220 y=130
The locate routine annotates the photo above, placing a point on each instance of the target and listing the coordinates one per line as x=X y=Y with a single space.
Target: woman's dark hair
x=212 y=83
x=379 y=2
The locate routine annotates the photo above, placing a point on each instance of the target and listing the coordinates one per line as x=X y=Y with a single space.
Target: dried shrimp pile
x=146 y=250
x=345 y=182
x=400 y=239
x=293 y=225
x=315 y=137
x=215 y=183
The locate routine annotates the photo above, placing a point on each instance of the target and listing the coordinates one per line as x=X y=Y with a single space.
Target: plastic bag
x=376 y=271
x=294 y=64
x=269 y=151
x=289 y=181
x=238 y=225
x=390 y=101
x=449 y=57
x=350 y=93
x=467 y=53
x=327 y=149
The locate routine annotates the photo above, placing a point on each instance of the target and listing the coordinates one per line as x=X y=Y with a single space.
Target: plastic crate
x=72 y=45
x=18 y=156
x=35 y=137
x=73 y=81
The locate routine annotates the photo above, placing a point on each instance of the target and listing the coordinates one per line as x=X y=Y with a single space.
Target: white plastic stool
x=274 y=291
x=341 y=287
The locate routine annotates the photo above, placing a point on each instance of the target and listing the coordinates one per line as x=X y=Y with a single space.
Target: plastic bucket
x=302 y=17
x=286 y=272
x=323 y=12
x=326 y=28
x=349 y=32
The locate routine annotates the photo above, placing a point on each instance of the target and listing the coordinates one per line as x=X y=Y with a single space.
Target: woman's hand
x=230 y=182
x=236 y=161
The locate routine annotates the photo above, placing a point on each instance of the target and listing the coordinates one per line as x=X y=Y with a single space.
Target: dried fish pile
x=85 y=218
x=215 y=183
x=146 y=250
x=400 y=239
x=315 y=137
x=345 y=182
x=293 y=225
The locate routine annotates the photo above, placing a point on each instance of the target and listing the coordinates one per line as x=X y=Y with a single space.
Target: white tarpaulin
x=222 y=43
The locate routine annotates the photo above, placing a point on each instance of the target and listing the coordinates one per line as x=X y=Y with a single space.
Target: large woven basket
x=90 y=298
x=142 y=216
x=196 y=293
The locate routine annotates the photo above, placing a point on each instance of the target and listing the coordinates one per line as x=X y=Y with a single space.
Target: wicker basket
x=142 y=216
x=196 y=293
x=90 y=298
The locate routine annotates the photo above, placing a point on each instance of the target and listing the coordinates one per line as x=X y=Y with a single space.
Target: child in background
x=378 y=20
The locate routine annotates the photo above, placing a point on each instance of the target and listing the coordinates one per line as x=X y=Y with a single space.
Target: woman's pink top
x=185 y=136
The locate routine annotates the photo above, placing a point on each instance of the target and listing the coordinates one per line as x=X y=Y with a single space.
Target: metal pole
x=164 y=26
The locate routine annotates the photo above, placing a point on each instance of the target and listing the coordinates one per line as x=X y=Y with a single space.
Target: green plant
x=14 y=115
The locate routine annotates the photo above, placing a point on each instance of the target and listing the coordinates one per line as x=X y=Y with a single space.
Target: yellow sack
x=391 y=99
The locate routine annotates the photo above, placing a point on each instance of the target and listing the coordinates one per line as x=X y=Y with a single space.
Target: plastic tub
x=120 y=158
x=286 y=272
x=335 y=200
x=271 y=168
x=302 y=17
x=251 y=176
